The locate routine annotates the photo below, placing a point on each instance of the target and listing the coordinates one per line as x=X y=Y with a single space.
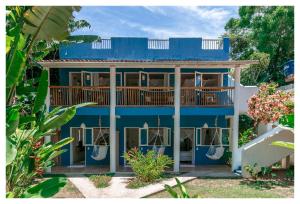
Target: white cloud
x=163 y=33
x=156 y=10
x=207 y=13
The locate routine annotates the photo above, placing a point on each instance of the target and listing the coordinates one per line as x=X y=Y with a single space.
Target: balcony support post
x=177 y=97
x=112 y=126
x=236 y=157
x=48 y=138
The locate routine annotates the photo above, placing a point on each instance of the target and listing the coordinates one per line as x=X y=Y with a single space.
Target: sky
x=156 y=22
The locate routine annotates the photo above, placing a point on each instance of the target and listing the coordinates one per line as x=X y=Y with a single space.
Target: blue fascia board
x=206 y=111
x=144 y=111
x=150 y=111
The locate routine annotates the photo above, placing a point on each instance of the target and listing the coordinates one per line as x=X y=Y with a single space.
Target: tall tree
x=262 y=32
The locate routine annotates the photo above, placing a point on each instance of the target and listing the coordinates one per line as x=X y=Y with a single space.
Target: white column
x=48 y=138
x=112 y=127
x=235 y=135
x=177 y=97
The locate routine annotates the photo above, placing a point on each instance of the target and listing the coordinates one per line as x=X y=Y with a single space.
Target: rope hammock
x=159 y=149
x=99 y=151
x=215 y=153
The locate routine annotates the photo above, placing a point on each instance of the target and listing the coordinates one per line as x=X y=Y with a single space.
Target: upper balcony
x=121 y=48
x=142 y=96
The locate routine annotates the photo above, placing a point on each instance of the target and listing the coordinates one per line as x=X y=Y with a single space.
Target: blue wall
x=137 y=49
x=64 y=73
x=138 y=121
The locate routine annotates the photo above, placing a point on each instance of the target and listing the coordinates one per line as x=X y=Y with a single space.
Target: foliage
x=252 y=170
x=147 y=167
x=268 y=105
x=247 y=136
x=290 y=173
x=245 y=122
x=265 y=33
x=46 y=189
x=182 y=191
x=29 y=31
x=287 y=120
x=265 y=171
x=100 y=181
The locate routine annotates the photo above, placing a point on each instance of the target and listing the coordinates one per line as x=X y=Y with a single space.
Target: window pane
x=156 y=80
x=187 y=80
x=209 y=134
x=211 y=80
x=132 y=79
x=101 y=79
x=161 y=139
x=76 y=79
x=101 y=140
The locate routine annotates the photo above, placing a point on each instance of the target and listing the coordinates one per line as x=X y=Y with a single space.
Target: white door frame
x=194 y=147
x=71 y=151
x=125 y=137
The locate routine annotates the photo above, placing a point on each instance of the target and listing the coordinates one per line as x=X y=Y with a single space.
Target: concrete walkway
x=85 y=186
x=117 y=188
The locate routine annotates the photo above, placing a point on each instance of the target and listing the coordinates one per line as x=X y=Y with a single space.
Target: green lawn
x=235 y=188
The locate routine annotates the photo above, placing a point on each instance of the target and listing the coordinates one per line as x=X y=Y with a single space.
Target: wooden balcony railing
x=207 y=96
x=141 y=96
x=72 y=95
x=145 y=96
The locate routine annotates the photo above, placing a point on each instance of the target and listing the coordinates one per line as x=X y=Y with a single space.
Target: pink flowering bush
x=269 y=104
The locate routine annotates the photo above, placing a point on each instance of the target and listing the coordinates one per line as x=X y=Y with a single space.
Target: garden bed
x=101 y=180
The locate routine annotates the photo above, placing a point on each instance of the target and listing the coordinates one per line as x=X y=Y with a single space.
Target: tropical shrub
x=147 y=167
x=182 y=191
x=100 y=181
x=247 y=136
x=252 y=170
x=268 y=105
x=29 y=31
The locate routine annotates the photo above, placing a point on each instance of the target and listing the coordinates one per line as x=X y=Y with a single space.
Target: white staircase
x=261 y=152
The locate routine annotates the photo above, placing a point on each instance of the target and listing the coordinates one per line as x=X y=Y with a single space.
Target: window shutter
x=226 y=136
x=88 y=136
x=198 y=136
x=143 y=134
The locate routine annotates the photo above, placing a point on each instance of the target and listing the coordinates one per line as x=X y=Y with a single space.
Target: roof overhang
x=145 y=64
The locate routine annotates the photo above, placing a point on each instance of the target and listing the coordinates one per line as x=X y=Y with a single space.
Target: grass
x=235 y=188
x=136 y=183
x=101 y=180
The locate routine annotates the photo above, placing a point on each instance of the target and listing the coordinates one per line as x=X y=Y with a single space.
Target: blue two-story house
x=171 y=95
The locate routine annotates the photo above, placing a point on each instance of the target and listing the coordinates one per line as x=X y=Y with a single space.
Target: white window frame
x=198 y=143
x=93 y=134
x=92 y=73
x=169 y=130
x=202 y=73
x=125 y=73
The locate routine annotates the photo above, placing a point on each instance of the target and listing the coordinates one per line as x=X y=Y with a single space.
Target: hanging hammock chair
x=215 y=153
x=100 y=151
x=159 y=149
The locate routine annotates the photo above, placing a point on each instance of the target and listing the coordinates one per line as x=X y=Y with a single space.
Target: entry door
x=187 y=146
x=77 y=153
x=131 y=139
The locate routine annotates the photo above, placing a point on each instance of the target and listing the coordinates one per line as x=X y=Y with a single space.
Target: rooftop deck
x=127 y=48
